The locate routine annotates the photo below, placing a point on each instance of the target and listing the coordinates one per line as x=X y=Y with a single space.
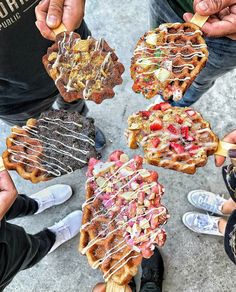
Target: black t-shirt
x=23 y=78
x=22 y=75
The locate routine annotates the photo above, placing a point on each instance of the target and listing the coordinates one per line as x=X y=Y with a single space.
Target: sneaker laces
x=211 y=204
x=205 y=222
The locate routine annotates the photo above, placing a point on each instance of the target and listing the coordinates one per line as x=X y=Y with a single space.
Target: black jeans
x=229 y=175
x=18 y=249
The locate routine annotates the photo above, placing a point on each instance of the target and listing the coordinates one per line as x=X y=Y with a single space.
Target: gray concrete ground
x=193 y=263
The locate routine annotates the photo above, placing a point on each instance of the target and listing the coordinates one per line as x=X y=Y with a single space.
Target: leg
x=222 y=54
x=19 y=250
x=230 y=237
x=22 y=206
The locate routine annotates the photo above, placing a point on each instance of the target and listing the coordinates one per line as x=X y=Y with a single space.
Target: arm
x=222 y=21
x=231 y=138
x=50 y=14
x=8 y=193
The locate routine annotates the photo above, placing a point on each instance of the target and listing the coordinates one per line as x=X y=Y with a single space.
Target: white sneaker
x=202 y=223
x=52 y=196
x=66 y=229
x=207 y=201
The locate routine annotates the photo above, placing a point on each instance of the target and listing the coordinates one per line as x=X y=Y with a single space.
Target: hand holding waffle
x=230 y=138
x=222 y=20
x=50 y=13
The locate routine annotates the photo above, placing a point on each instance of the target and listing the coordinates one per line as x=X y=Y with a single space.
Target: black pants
x=229 y=175
x=18 y=249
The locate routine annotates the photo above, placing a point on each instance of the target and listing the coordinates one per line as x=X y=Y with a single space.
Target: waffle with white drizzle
x=57 y=143
x=172 y=137
x=83 y=69
x=122 y=216
x=167 y=60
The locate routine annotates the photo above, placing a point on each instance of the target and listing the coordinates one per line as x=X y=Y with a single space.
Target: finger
x=209 y=7
x=232 y=36
x=187 y=16
x=55 y=12
x=221 y=28
x=73 y=14
x=45 y=31
x=223 y=13
x=41 y=10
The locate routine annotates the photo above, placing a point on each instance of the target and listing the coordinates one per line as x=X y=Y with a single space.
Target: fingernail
x=203 y=6
x=51 y=20
x=232 y=153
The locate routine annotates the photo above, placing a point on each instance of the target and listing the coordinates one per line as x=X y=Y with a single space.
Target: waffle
x=83 y=69
x=57 y=143
x=123 y=216
x=167 y=60
x=172 y=137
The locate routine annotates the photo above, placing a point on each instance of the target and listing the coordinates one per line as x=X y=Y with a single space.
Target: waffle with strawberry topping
x=122 y=216
x=83 y=69
x=57 y=143
x=167 y=60
x=172 y=137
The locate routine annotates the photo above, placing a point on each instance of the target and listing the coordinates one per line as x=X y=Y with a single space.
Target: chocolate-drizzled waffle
x=172 y=137
x=167 y=60
x=57 y=143
x=122 y=216
x=83 y=69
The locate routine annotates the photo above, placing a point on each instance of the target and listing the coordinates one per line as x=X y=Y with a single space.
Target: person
x=20 y=250
x=26 y=90
x=220 y=32
x=151 y=279
x=208 y=201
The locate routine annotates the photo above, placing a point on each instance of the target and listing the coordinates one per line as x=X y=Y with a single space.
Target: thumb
x=210 y=7
x=55 y=12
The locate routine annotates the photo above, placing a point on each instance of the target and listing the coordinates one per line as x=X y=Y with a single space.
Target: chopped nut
x=147 y=203
x=82 y=45
x=144 y=224
x=134 y=126
x=101 y=167
x=100 y=181
x=124 y=158
x=128 y=196
x=54 y=73
x=52 y=56
x=144 y=173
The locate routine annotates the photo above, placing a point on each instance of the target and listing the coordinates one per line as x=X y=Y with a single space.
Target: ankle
x=228 y=207
x=222 y=225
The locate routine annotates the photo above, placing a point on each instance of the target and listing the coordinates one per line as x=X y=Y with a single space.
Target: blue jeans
x=222 y=54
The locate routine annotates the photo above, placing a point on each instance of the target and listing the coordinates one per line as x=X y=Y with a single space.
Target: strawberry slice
x=115 y=155
x=155 y=142
x=178 y=119
x=145 y=114
x=190 y=112
x=156 y=107
x=156 y=125
x=193 y=149
x=165 y=106
x=178 y=148
x=185 y=133
x=172 y=129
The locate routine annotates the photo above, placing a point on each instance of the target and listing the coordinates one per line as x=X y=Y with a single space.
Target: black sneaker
x=152 y=273
x=100 y=139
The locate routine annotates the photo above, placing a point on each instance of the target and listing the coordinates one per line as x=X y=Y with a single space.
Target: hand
x=8 y=193
x=50 y=14
x=222 y=20
x=231 y=138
